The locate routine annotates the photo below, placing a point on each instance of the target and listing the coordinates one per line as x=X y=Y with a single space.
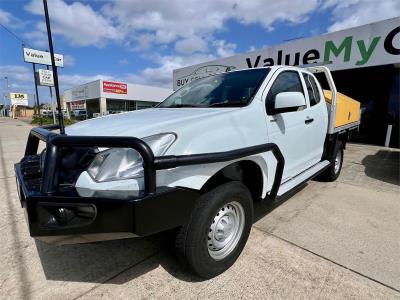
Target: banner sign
x=364 y=46
x=115 y=87
x=42 y=57
x=78 y=105
x=20 y=99
x=45 y=77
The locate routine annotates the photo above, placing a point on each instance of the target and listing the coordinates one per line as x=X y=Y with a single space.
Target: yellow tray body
x=347 y=109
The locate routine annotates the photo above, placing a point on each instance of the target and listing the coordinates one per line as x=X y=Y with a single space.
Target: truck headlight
x=125 y=163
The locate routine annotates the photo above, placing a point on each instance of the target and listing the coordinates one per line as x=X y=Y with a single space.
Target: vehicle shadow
x=384 y=165
x=120 y=261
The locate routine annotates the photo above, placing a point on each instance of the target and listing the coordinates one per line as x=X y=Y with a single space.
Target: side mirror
x=289 y=101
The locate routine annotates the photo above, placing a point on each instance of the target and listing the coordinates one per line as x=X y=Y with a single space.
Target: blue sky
x=143 y=41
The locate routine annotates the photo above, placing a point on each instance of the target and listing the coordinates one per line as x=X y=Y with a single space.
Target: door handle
x=309 y=120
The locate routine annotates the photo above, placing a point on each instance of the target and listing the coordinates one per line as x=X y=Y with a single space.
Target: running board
x=302 y=177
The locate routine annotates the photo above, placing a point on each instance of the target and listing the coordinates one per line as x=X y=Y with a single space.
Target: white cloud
x=162 y=75
x=224 y=49
x=187 y=23
x=78 y=23
x=37 y=39
x=353 y=13
x=70 y=80
x=69 y=60
x=7 y=19
x=190 y=45
x=16 y=74
x=123 y=61
x=169 y=21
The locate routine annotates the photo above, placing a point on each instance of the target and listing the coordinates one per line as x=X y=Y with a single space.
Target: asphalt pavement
x=335 y=240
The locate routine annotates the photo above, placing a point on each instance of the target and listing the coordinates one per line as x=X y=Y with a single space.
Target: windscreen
x=222 y=90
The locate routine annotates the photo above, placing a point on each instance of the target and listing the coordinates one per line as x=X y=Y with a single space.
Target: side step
x=302 y=177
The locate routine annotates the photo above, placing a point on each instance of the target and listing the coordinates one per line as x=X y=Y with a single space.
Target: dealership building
x=103 y=97
x=365 y=64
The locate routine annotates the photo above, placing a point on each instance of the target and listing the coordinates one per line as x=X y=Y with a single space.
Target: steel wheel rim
x=338 y=161
x=226 y=230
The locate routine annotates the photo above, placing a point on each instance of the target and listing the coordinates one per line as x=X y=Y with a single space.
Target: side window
x=287 y=81
x=312 y=89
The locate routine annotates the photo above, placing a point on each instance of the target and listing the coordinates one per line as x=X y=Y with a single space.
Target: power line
x=14 y=35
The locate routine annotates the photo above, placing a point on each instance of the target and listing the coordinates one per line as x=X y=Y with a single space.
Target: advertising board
x=364 y=46
x=115 y=87
x=19 y=99
x=45 y=77
x=42 y=57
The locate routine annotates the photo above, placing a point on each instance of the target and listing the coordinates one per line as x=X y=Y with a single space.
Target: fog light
x=64 y=215
x=53 y=215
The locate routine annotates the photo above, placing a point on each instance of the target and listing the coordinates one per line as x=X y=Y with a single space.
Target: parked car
x=80 y=114
x=196 y=163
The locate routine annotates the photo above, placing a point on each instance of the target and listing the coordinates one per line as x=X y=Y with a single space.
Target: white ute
x=218 y=144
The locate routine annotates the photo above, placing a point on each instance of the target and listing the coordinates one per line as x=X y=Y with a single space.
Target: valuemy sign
x=42 y=57
x=19 y=99
x=115 y=87
x=370 y=45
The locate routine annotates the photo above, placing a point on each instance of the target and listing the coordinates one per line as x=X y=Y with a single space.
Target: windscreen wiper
x=182 y=105
x=227 y=104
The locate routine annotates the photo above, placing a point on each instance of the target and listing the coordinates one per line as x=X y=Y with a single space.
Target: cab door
x=317 y=116
x=288 y=129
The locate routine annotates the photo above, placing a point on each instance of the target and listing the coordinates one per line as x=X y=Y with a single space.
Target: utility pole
x=52 y=101
x=37 y=93
x=54 y=68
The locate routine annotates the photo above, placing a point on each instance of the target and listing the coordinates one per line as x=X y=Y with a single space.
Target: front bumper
x=104 y=216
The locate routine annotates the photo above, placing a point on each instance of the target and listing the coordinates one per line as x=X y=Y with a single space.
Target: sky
x=141 y=42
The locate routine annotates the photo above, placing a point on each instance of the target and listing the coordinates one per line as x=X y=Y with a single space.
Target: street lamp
x=6 y=95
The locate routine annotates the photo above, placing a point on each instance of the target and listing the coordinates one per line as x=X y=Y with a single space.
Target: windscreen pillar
x=103 y=106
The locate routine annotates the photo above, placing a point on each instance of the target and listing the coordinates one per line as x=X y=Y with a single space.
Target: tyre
x=217 y=231
x=336 y=162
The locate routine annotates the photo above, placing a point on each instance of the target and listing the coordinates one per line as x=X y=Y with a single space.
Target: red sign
x=115 y=87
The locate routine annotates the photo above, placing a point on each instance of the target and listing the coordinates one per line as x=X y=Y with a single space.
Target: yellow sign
x=19 y=99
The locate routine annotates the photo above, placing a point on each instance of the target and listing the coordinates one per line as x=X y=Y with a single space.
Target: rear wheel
x=217 y=231
x=336 y=162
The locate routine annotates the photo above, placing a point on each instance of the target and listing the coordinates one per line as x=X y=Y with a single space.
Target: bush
x=49 y=121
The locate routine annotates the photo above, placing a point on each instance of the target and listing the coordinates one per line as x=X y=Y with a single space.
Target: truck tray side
x=347 y=109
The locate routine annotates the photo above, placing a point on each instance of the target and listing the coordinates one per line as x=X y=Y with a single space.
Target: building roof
x=112 y=89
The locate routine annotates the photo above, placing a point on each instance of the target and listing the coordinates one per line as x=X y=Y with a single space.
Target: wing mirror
x=288 y=101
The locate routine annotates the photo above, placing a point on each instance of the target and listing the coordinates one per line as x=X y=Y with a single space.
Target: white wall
x=140 y=92
x=136 y=92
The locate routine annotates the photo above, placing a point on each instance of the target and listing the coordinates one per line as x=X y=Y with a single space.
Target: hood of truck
x=142 y=123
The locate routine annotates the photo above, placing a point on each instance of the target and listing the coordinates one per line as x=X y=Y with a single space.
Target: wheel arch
x=247 y=171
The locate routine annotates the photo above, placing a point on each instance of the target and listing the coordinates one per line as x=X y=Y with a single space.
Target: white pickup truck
x=194 y=163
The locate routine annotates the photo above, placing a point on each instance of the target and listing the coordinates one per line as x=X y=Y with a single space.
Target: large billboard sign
x=115 y=87
x=369 y=45
x=42 y=57
x=20 y=99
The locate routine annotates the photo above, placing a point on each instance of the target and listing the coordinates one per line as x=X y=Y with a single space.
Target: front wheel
x=336 y=162
x=218 y=229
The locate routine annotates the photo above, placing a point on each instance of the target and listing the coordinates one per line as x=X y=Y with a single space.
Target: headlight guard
x=126 y=163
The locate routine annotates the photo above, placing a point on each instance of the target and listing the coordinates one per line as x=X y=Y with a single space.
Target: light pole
x=7 y=96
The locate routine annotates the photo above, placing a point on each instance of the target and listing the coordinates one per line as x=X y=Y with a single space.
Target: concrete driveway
x=330 y=240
